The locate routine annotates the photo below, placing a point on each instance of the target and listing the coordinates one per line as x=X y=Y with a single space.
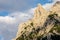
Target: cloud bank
x=9 y=24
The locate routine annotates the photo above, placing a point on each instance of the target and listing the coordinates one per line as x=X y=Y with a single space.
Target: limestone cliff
x=42 y=26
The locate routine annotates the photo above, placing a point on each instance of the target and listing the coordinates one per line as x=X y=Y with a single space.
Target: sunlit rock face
x=45 y=25
x=56 y=8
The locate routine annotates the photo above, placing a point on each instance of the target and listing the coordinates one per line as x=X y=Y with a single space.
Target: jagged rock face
x=43 y=26
x=40 y=16
x=56 y=8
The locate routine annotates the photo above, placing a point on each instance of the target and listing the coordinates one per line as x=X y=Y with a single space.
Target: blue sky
x=4 y=13
x=13 y=12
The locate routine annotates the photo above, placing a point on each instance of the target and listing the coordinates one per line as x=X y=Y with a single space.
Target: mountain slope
x=43 y=26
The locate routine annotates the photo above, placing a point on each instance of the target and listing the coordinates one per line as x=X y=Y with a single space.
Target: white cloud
x=9 y=24
x=48 y=6
x=23 y=16
x=7 y=19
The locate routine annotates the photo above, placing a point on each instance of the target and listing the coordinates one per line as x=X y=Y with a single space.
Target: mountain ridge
x=42 y=25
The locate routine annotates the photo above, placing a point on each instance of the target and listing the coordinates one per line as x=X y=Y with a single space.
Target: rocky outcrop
x=42 y=26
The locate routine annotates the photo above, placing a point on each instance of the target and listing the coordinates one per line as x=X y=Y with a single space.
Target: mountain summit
x=45 y=25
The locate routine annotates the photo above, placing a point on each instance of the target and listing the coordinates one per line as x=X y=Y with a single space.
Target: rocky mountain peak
x=45 y=25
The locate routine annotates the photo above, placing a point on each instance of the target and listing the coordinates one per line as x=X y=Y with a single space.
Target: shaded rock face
x=43 y=26
x=53 y=37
